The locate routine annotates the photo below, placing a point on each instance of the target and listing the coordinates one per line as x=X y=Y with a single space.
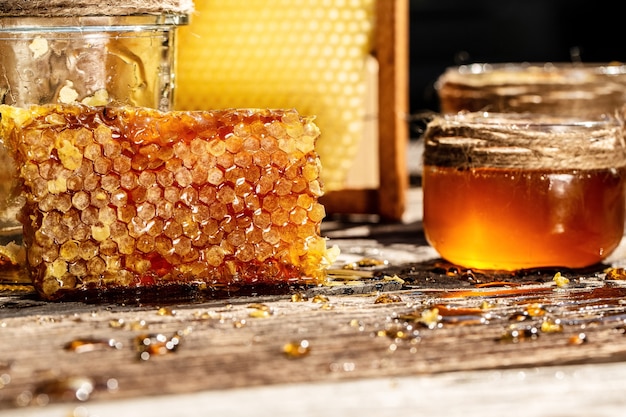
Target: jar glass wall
x=569 y=89
x=93 y=60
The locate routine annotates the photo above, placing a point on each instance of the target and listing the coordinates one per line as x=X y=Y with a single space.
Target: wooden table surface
x=412 y=333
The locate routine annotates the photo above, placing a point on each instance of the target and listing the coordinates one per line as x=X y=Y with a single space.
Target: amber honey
x=510 y=192
x=509 y=219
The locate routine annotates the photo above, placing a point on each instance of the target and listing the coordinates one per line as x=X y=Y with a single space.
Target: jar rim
x=530 y=73
x=486 y=67
x=83 y=24
x=530 y=120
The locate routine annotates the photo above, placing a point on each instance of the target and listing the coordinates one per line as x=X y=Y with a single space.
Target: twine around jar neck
x=69 y=8
x=473 y=140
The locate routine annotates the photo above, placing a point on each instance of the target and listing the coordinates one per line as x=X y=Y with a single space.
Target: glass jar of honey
x=517 y=191
x=570 y=89
x=91 y=53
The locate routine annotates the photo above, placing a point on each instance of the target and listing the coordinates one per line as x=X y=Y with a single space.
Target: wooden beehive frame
x=391 y=52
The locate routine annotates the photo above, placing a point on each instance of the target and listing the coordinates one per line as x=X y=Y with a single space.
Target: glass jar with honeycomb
x=313 y=56
x=84 y=52
x=567 y=89
x=518 y=191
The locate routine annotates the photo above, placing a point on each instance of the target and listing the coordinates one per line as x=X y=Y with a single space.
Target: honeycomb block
x=304 y=54
x=120 y=198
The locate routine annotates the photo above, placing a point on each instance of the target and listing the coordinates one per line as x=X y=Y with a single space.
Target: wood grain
x=353 y=336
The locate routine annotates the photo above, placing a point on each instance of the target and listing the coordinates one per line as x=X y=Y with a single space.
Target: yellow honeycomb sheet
x=310 y=55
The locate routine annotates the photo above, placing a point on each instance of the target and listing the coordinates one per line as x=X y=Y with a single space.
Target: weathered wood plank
x=353 y=336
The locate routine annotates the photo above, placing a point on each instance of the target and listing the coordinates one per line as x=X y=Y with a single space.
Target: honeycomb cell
x=110 y=183
x=164 y=209
x=74 y=183
x=218 y=211
x=71 y=218
x=317 y=212
x=298 y=216
x=91 y=182
x=172 y=229
x=214 y=255
x=81 y=232
x=89 y=216
x=102 y=165
x=215 y=176
x=245 y=252
x=139 y=162
x=262 y=219
x=145 y=243
x=146 y=179
x=216 y=147
x=121 y=164
x=100 y=232
x=69 y=251
x=125 y=213
x=128 y=180
x=225 y=160
x=200 y=172
x=93 y=151
x=182 y=245
x=189 y=196
x=165 y=178
x=271 y=236
x=99 y=198
x=155 y=227
x=107 y=215
x=226 y=195
x=172 y=194
x=288 y=201
x=163 y=245
x=43 y=240
x=146 y=211
x=154 y=194
x=87 y=249
x=78 y=269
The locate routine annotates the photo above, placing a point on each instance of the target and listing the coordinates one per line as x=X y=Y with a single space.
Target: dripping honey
x=508 y=219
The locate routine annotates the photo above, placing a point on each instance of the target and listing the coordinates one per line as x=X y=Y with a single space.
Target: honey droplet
x=320 y=299
x=387 y=299
x=616 y=274
x=365 y=263
x=68 y=389
x=165 y=311
x=260 y=306
x=430 y=318
x=89 y=345
x=298 y=297
x=238 y=324
x=260 y=314
x=551 y=326
x=397 y=331
x=296 y=350
x=156 y=344
x=560 y=280
x=515 y=335
x=578 y=339
x=535 y=310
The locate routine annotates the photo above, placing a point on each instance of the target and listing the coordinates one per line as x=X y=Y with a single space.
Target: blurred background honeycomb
x=311 y=55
